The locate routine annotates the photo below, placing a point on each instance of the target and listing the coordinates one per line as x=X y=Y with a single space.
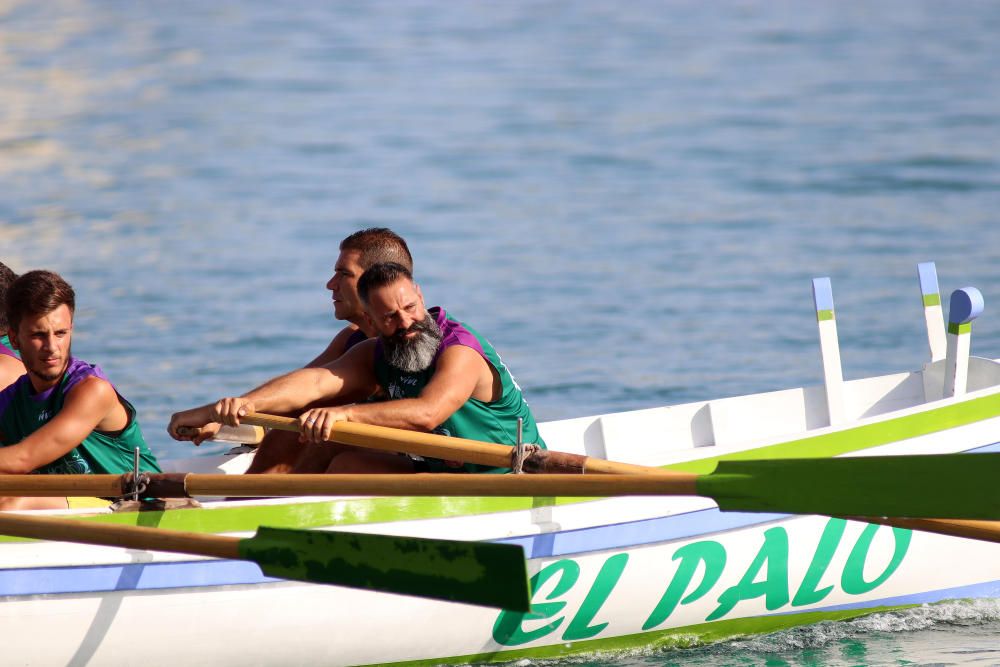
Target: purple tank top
x=452 y=333
x=358 y=336
x=76 y=371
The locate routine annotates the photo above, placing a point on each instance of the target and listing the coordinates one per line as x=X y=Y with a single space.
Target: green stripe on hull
x=674 y=638
x=824 y=315
x=862 y=437
x=932 y=300
x=956 y=329
x=346 y=512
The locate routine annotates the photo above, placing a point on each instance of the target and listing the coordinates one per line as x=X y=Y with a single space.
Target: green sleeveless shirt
x=22 y=413
x=494 y=422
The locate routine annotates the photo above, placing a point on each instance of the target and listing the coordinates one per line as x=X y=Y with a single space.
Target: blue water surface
x=630 y=199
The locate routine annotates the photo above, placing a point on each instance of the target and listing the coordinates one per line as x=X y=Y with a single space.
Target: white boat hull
x=609 y=573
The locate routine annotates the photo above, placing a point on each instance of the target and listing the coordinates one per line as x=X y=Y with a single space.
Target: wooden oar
x=944 y=486
x=182 y=485
x=451 y=449
x=481 y=573
x=246 y=434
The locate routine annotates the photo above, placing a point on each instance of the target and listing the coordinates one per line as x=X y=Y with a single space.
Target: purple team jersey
x=452 y=333
x=76 y=371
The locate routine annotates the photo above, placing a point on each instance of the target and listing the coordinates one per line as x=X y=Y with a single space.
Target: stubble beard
x=413 y=356
x=51 y=376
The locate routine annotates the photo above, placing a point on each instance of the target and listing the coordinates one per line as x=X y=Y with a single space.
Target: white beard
x=413 y=356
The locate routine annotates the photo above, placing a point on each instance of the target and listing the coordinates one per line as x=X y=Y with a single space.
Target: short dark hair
x=37 y=293
x=7 y=276
x=380 y=275
x=378 y=245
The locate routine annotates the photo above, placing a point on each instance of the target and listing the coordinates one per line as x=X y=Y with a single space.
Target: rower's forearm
x=290 y=392
x=30 y=454
x=408 y=413
x=14 y=460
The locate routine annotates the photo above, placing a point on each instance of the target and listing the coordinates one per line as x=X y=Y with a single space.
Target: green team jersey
x=6 y=349
x=494 y=422
x=23 y=412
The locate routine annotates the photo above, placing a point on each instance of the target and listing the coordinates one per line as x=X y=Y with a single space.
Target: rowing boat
x=608 y=573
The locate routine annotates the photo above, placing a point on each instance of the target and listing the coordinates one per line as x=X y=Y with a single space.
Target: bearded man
x=439 y=374
x=281 y=451
x=62 y=415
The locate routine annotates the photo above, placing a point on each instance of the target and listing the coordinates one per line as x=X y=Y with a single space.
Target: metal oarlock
x=135 y=474
x=133 y=484
x=518 y=462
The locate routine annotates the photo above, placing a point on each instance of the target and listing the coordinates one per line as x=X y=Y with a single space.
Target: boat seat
x=648 y=437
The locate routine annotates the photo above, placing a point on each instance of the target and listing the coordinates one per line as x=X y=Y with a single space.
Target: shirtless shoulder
x=97 y=397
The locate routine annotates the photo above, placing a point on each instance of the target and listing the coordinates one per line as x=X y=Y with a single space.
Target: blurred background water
x=628 y=199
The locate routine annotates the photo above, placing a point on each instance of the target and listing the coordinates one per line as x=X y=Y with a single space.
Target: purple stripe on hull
x=131 y=577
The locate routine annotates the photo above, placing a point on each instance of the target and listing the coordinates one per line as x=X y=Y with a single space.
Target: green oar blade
x=481 y=573
x=943 y=486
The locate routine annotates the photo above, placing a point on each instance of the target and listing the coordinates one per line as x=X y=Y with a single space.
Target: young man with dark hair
x=439 y=374
x=62 y=416
x=11 y=367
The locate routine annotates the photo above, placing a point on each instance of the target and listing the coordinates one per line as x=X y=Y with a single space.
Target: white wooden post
x=933 y=314
x=966 y=305
x=833 y=376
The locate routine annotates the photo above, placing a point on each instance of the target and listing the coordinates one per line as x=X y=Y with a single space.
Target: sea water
x=628 y=198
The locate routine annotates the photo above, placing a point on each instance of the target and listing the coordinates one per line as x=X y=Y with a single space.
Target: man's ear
x=12 y=335
x=368 y=319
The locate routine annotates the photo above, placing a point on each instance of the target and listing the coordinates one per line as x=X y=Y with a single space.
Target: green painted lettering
x=508 y=629
x=774 y=588
x=853 y=580
x=609 y=575
x=712 y=554
x=828 y=542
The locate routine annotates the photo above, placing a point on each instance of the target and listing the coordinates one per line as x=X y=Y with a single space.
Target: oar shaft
x=605 y=467
x=102 y=486
x=446 y=447
x=115 y=535
x=422 y=444
x=272 y=421
x=179 y=485
x=441 y=484
x=397 y=440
